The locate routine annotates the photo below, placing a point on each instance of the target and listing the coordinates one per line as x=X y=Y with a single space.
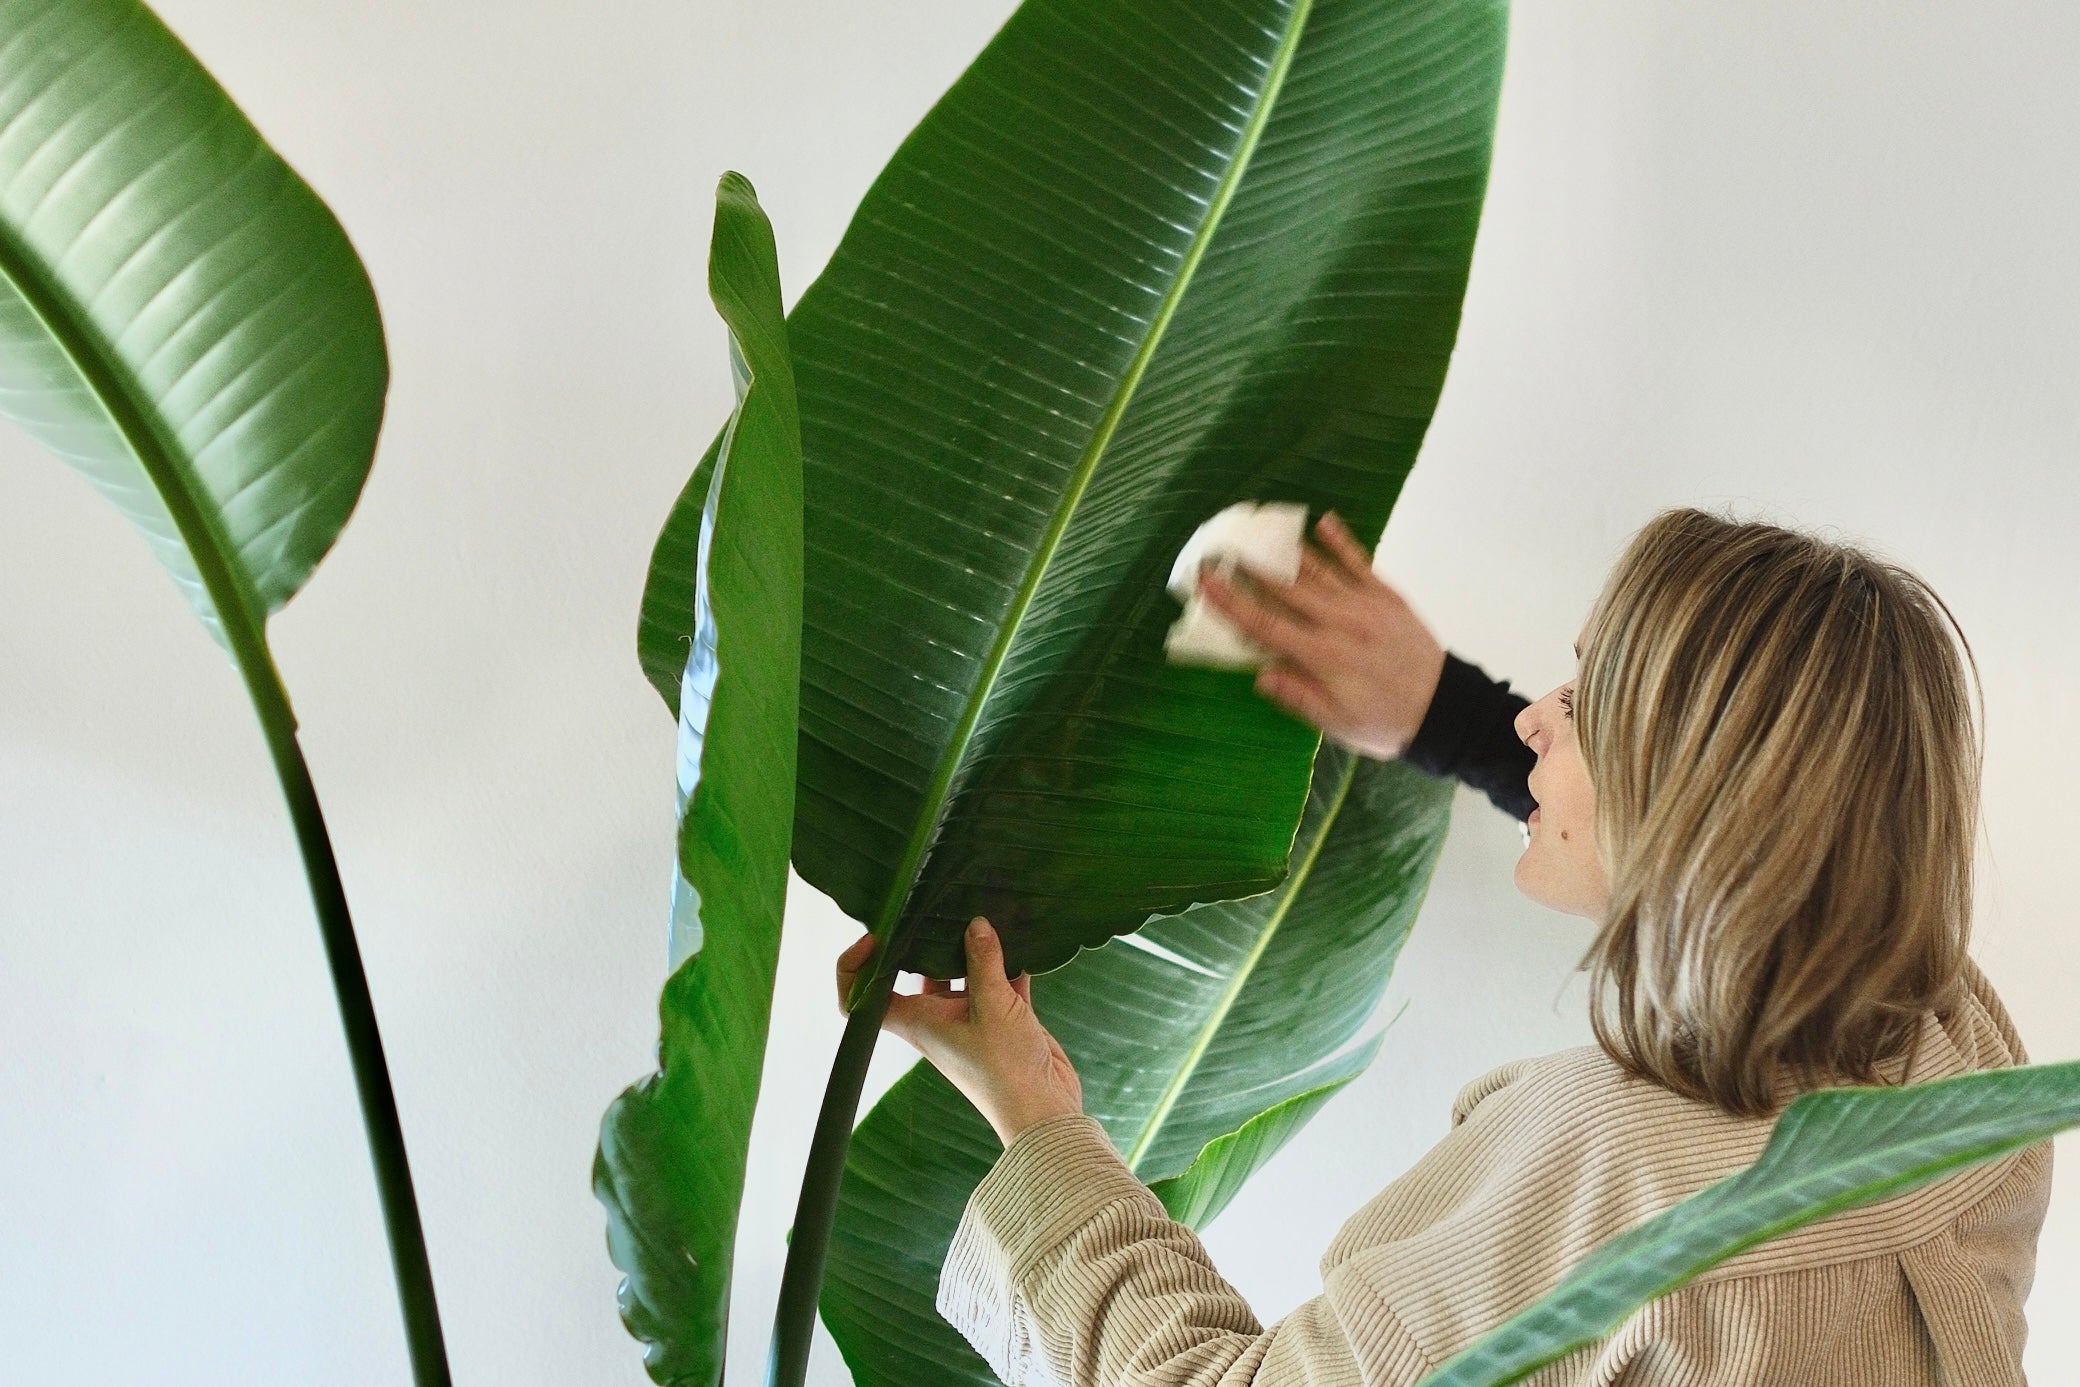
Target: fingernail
x=975 y=927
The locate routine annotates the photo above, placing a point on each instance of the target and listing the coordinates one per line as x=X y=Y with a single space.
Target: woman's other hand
x=987 y=1040
x=1351 y=656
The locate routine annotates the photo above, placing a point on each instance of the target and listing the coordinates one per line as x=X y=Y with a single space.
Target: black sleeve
x=1470 y=732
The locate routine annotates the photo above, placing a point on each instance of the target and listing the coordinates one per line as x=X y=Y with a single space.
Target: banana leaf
x=1832 y=1150
x=1143 y=259
x=672 y=1148
x=1203 y=1043
x=185 y=324
x=1203 y=1189
x=181 y=319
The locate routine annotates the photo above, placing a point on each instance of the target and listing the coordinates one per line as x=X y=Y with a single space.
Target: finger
x=1270 y=591
x=921 y=1020
x=1344 y=545
x=1319 y=565
x=1280 y=633
x=1323 y=594
x=1325 y=569
x=986 y=980
x=850 y=962
x=857 y=953
x=936 y=987
x=1298 y=694
x=1023 y=986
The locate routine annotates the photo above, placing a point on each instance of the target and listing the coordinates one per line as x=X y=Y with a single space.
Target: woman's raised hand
x=1352 y=657
x=986 y=1039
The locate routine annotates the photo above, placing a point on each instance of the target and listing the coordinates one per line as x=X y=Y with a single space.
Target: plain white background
x=1814 y=260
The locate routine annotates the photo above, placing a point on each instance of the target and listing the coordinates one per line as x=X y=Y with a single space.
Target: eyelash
x=1567 y=702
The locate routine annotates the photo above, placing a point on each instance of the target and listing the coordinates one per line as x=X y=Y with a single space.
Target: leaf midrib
x=1244 y=971
x=933 y=809
x=1584 y=1324
x=1740 y=1201
x=119 y=393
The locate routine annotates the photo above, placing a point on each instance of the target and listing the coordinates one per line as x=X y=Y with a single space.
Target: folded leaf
x=1144 y=259
x=672 y=1150
x=181 y=318
x=1227 y=1025
x=1831 y=1151
x=1205 y=1187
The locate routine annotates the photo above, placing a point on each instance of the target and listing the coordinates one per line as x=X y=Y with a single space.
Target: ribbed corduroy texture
x=1066 y=1269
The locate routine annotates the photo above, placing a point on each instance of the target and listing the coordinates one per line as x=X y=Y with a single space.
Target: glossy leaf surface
x=181 y=318
x=670 y=1166
x=1142 y=260
x=1196 y=1195
x=1228 y=1025
x=1831 y=1151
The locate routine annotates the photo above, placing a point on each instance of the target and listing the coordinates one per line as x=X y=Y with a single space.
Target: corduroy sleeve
x=1066 y=1269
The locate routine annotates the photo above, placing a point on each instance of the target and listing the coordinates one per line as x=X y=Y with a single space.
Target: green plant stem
x=808 y=1245
x=408 y=1260
x=357 y=1012
x=242 y=622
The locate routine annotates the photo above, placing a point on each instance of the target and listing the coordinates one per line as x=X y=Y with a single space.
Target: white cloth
x=1263 y=536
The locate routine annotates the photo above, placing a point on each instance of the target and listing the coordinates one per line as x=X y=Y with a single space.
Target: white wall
x=1812 y=258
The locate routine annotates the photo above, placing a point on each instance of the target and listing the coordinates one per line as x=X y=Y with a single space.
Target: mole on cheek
x=1563 y=833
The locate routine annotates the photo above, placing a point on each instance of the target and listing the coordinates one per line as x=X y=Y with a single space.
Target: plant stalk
x=408 y=1260
x=808 y=1245
x=242 y=621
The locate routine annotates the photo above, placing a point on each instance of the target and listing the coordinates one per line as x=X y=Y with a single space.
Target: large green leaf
x=1187 y=1030
x=181 y=318
x=672 y=1149
x=1831 y=1151
x=184 y=322
x=1203 y=1042
x=1146 y=257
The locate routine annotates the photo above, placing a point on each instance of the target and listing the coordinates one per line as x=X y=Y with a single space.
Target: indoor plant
x=185 y=323
x=1139 y=262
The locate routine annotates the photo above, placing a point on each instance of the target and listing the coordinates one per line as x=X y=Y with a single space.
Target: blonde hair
x=1786 y=773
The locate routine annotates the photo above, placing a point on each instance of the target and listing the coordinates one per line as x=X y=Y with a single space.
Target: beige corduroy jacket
x=1066 y=1270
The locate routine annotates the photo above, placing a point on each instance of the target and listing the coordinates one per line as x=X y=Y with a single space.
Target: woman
x=1762 y=784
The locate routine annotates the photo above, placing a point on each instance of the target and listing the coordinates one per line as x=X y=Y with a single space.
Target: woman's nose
x=1533 y=730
